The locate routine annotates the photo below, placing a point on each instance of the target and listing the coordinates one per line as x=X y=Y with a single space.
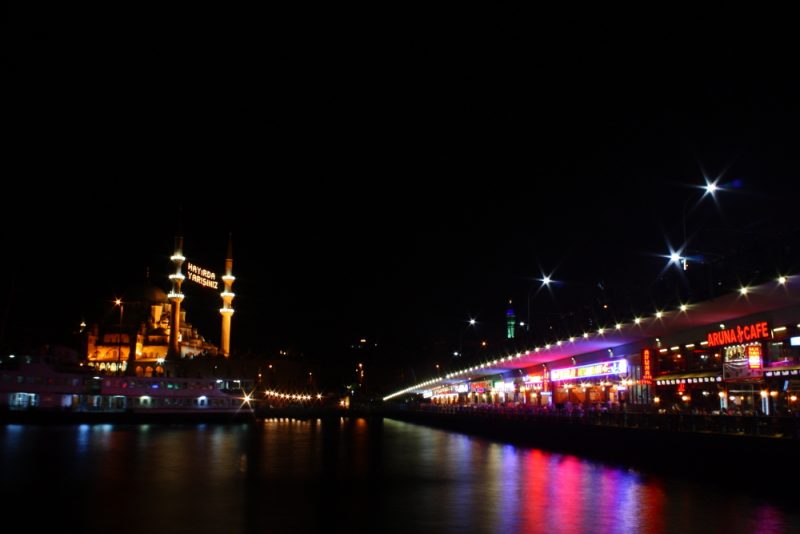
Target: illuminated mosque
x=151 y=333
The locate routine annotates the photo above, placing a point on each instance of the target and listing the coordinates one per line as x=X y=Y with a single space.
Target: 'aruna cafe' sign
x=739 y=334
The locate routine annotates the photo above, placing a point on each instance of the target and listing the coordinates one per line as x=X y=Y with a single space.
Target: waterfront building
x=739 y=352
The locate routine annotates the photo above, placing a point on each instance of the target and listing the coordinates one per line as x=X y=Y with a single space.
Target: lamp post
x=460 y=352
x=709 y=189
x=545 y=280
x=118 y=302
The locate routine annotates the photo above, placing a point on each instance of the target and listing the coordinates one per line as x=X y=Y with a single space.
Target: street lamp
x=460 y=353
x=545 y=282
x=118 y=302
x=709 y=189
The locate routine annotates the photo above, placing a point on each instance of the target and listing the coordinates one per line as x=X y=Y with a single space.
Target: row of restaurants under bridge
x=739 y=353
x=600 y=384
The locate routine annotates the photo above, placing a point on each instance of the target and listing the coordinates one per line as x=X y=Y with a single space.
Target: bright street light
x=711 y=187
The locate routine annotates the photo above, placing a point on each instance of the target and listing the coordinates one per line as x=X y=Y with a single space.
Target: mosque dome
x=146 y=293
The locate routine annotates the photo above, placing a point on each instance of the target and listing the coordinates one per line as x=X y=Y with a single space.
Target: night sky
x=386 y=187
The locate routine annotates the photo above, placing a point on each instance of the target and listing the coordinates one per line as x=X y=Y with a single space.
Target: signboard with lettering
x=614 y=367
x=753 y=356
x=202 y=276
x=647 y=370
x=738 y=334
x=742 y=362
x=480 y=387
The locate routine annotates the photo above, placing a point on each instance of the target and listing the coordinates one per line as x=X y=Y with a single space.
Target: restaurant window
x=703 y=359
x=667 y=364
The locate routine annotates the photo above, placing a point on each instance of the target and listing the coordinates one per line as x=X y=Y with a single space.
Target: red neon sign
x=740 y=334
x=647 y=372
x=753 y=356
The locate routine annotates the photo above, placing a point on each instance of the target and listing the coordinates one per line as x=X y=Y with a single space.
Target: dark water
x=346 y=476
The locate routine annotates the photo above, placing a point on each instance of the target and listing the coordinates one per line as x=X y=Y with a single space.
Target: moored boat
x=38 y=389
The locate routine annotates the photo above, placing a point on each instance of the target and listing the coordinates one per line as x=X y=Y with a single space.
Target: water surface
x=347 y=476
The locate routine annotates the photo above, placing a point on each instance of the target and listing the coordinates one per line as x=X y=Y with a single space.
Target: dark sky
x=386 y=185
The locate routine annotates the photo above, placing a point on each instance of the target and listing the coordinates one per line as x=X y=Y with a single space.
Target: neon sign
x=614 y=367
x=753 y=356
x=201 y=276
x=647 y=372
x=480 y=387
x=504 y=387
x=740 y=334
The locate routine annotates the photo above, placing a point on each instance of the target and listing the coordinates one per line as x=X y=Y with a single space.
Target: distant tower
x=511 y=321
x=227 y=299
x=176 y=297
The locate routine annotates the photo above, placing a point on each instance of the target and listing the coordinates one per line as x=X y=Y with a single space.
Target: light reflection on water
x=349 y=475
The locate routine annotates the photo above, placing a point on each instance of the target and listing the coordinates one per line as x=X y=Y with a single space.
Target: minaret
x=511 y=321
x=227 y=299
x=176 y=297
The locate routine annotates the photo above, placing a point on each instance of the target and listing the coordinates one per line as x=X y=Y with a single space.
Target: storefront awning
x=690 y=378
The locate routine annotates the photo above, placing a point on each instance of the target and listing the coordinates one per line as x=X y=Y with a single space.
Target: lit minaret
x=511 y=321
x=227 y=299
x=176 y=297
